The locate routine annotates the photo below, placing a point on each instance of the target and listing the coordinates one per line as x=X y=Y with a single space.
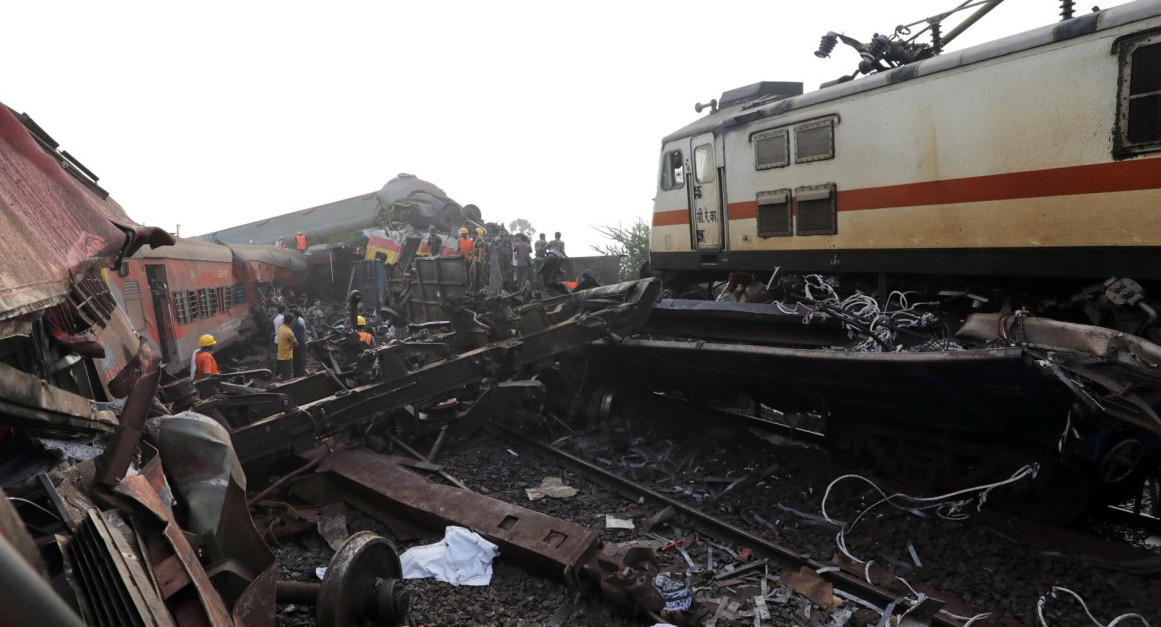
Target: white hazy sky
x=213 y=114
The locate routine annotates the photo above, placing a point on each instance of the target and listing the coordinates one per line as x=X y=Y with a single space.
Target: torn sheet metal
x=208 y=478
x=48 y=204
x=176 y=566
x=37 y=408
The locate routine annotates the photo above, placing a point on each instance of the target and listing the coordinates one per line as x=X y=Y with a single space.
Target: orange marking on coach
x=671 y=218
x=1099 y=178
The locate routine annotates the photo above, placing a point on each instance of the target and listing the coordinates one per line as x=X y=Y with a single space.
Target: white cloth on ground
x=462 y=558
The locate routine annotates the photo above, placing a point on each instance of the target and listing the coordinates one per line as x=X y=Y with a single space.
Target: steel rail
x=783 y=556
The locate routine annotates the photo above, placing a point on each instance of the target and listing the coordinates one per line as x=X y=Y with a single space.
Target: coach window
x=774 y=214
x=672 y=170
x=814 y=141
x=817 y=212
x=1140 y=105
x=703 y=163
x=771 y=149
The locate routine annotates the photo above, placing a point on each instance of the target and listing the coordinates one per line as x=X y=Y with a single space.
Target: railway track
x=786 y=558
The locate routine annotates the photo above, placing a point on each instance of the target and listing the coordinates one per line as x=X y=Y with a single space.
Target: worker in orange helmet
x=467 y=246
x=301 y=242
x=204 y=363
x=360 y=327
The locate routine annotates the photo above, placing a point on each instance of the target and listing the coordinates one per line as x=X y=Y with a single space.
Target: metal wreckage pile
x=132 y=496
x=126 y=491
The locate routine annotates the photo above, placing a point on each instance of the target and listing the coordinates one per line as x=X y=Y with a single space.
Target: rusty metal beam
x=541 y=544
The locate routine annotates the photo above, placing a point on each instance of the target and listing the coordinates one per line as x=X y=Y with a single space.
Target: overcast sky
x=213 y=114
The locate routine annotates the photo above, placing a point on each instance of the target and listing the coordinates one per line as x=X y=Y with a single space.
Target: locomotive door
x=159 y=289
x=705 y=199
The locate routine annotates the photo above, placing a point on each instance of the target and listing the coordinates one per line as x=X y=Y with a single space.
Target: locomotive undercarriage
x=899 y=365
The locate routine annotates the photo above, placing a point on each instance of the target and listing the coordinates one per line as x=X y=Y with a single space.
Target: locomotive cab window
x=774 y=218
x=1140 y=96
x=672 y=170
x=703 y=163
x=771 y=149
x=817 y=211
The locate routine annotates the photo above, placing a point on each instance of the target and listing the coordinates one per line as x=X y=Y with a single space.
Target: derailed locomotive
x=1010 y=183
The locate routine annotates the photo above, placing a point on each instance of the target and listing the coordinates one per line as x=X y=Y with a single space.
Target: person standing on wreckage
x=434 y=243
x=503 y=260
x=299 y=329
x=203 y=364
x=286 y=344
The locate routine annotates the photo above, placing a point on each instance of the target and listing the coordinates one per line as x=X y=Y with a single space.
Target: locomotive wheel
x=362 y=584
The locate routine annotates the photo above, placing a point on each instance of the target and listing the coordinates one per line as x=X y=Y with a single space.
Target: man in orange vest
x=204 y=362
x=301 y=242
x=364 y=337
x=467 y=246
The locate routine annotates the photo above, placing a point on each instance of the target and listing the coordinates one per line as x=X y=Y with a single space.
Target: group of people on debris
x=299 y=242
x=289 y=340
x=520 y=261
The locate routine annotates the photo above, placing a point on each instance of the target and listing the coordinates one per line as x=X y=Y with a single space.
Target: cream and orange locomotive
x=1035 y=156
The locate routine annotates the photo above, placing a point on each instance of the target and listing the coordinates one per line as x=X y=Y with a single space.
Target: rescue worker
x=541 y=249
x=504 y=256
x=467 y=246
x=360 y=328
x=315 y=316
x=286 y=344
x=480 y=244
x=301 y=241
x=281 y=243
x=477 y=273
x=522 y=259
x=556 y=243
x=278 y=323
x=551 y=271
x=434 y=243
x=299 y=357
x=203 y=363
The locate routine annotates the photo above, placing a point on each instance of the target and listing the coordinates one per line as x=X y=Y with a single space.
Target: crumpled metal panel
x=201 y=463
x=52 y=228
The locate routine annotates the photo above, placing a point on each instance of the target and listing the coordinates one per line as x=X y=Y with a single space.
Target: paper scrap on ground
x=552 y=487
x=462 y=558
x=612 y=522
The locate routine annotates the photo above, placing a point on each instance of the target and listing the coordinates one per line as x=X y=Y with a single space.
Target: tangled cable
x=861 y=315
x=948 y=506
x=1055 y=589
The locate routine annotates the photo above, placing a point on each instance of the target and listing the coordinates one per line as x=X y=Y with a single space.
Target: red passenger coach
x=259 y=268
x=176 y=294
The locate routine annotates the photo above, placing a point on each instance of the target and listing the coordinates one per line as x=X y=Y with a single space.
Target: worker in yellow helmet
x=481 y=245
x=466 y=244
x=364 y=337
x=203 y=363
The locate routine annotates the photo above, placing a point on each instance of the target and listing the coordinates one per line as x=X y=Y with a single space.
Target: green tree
x=631 y=242
x=520 y=225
